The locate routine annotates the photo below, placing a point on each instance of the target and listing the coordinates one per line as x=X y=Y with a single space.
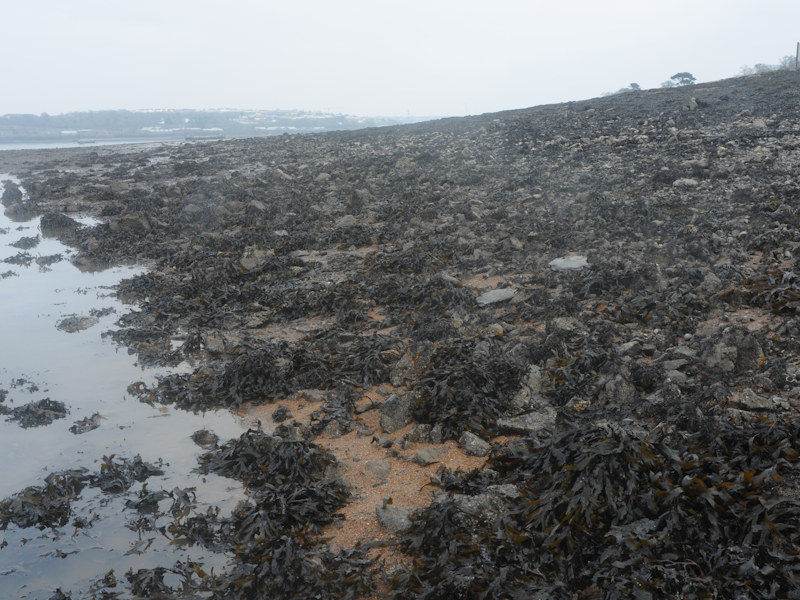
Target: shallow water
x=90 y=375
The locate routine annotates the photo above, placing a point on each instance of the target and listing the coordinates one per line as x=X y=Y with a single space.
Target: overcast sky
x=371 y=57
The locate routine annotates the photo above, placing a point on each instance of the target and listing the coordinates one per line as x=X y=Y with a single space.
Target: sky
x=371 y=57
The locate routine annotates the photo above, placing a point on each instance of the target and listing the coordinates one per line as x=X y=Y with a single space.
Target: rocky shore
x=545 y=353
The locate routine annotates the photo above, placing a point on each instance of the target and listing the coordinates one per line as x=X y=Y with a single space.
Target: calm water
x=90 y=375
x=65 y=144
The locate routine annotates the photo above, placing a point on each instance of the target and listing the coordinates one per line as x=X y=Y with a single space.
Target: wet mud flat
x=542 y=353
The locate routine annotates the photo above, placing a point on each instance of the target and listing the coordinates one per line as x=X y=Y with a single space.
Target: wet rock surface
x=75 y=323
x=601 y=297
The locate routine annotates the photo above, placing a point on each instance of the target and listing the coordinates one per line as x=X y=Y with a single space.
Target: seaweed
x=117 y=476
x=44 y=506
x=468 y=384
x=38 y=414
x=776 y=290
x=613 y=512
x=289 y=567
x=256 y=458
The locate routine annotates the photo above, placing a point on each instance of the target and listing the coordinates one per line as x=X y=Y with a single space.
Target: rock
x=483 y=508
x=345 y=222
x=572 y=262
x=619 y=391
x=421 y=434
x=75 y=323
x=711 y=284
x=393 y=518
x=88 y=264
x=436 y=434
x=205 y=438
x=120 y=187
x=534 y=422
x=429 y=456
x=12 y=194
x=411 y=364
x=378 y=469
x=130 y=223
x=735 y=350
x=747 y=399
x=495 y=296
x=20 y=212
x=473 y=445
x=685 y=183
x=281 y=414
x=281 y=175
x=632 y=348
x=397 y=410
x=676 y=377
x=254 y=258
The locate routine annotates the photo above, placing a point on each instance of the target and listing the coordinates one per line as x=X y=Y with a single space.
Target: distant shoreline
x=56 y=145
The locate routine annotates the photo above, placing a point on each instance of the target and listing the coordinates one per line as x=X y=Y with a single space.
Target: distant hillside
x=177 y=124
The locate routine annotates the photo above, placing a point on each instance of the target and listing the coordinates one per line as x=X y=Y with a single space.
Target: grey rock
x=533 y=422
x=393 y=518
x=619 y=390
x=484 y=508
x=421 y=434
x=473 y=445
x=674 y=364
x=748 y=400
x=205 y=438
x=281 y=175
x=735 y=350
x=495 y=296
x=571 y=262
x=54 y=223
x=253 y=258
x=711 y=284
x=436 y=434
x=345 y=222
x=378 y=469
x=685 y=183
x=429 y=456
x=676 y=377
x=20 y=212
x=631 y=348
x=396 y=411
x=75 y=323
x=131 y=223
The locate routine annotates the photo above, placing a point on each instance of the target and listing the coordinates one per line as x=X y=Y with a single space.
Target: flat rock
x=571 y=262
x=473 y=445
x=532 y=422
x=378 y=469
x=494 y=296
x=393 y=518
x=429 y=456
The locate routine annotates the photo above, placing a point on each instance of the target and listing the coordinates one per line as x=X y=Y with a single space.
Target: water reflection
x=89 y=374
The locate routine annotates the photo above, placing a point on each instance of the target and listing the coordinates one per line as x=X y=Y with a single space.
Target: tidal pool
x=90 y=375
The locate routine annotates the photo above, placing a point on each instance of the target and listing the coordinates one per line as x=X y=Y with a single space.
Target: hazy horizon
x=361 y=58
